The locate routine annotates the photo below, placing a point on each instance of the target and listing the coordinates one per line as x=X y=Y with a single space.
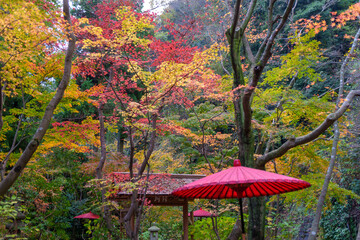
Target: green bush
x=203 y=229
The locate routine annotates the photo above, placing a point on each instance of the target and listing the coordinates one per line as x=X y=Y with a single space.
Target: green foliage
x=339 y=222
x=309 y=196
x=9 y=209
x=299 y=62
x=168 y=219
x=310 y=9
x=203 y=229
x=54 y=193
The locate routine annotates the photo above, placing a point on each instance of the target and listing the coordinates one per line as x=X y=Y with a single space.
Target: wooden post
x=185 y=221
x=132 y=223
x=192 y=222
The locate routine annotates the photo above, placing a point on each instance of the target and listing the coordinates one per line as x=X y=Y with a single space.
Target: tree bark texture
x=236 y=231
x=30 y=149
x=243 y=96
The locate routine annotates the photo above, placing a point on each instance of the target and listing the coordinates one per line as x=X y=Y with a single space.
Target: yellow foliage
x=25 y=35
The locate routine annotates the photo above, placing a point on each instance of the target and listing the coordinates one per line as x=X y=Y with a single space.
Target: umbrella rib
x=270 y=190
x=226 y=191
x=195 y=192
x=280 y=186
x=288 y=187
x=257 y=189
x=212 y=192
x=251 y=190
x=294 y=187
x=209 y=191
x=185 y=193
x=203 y=191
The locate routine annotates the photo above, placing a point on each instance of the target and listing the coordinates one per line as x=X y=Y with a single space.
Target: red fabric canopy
x=202 y=213
x=240 y=182
x=88 y=215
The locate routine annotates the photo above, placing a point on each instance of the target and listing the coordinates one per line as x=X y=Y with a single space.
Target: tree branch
x=267 y=51
x=248 y=52
x=293 y=142
x=257 y=70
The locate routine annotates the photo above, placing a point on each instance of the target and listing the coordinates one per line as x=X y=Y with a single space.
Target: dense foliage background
x=155 y=93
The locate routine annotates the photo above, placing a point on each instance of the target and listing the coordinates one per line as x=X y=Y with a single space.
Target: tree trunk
x=129 y=227
x=1 y=103
x=321 y=201
x=136 y=209
x=120 y=136
x=243 y=94
x=99 y=170
x=256 y=228
x=101 y=163
x=236 y=231
x=30 y=149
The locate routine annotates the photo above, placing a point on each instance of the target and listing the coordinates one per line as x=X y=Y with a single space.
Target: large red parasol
x=88 y=215
x=239 y=182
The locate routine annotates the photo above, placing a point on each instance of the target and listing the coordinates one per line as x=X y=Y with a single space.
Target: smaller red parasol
x=88 y=215
x=202 y=213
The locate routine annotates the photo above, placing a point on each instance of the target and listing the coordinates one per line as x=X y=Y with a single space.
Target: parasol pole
x=242 y=219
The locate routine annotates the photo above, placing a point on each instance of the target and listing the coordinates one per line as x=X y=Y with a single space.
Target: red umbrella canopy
x=88 y=215
x=240 y=182
x=202 y=213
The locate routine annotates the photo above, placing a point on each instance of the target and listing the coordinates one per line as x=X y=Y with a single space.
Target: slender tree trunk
x=129 y=227
x=120 y=136
x=136 y=209
x=1 y=102
x=99 y=170
x=30 y=149
x=321 y=201
x=315 y=223
x=101 y=163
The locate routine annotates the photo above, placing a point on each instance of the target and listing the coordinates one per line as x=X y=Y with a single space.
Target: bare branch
x=267 y=51
x=248 y=52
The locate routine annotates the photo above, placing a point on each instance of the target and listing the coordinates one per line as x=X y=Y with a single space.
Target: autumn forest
x=105 y=104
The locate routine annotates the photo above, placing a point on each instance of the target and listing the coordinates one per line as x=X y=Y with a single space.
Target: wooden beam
x=186 y=221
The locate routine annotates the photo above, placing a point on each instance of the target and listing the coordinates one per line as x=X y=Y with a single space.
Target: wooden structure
x=158 y=191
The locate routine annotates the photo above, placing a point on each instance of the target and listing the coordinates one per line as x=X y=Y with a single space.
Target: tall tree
x=245 y=85
x=138 y=76
x=355 y=10
x=30 y=149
